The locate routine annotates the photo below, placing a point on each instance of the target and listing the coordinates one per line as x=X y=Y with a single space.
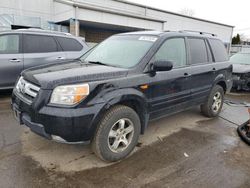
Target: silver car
x=25 y=48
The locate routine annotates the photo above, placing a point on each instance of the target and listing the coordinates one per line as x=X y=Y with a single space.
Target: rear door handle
x=60 y=58
x=214 y=69
x=15 y=60
x=186 y=74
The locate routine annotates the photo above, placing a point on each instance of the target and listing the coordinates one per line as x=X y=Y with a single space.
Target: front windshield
x=120 y=51
x=240 y=58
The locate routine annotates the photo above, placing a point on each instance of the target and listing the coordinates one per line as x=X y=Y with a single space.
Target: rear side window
x=219 y=50
x=39 y=44
x=198 y=51
x=69 y=44
x=173 y=50
x=9 y=44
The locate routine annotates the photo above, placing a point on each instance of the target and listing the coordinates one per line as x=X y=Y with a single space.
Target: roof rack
x=43 y=31
x=199 y=32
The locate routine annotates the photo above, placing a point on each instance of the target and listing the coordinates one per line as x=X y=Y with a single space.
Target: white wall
x=175 y=22
x=172 y=21
x=36 y=8
x=114 y=13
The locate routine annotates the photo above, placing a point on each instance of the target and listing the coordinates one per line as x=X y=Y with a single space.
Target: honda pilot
x=109 y=95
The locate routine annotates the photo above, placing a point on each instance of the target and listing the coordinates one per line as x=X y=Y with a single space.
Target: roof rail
x=199 y=32
x=44 y=31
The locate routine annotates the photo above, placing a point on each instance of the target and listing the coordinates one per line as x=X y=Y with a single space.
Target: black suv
x=109 y=95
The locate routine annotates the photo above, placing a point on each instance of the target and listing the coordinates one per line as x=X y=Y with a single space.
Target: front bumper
x=240 y=83
x=67 y=125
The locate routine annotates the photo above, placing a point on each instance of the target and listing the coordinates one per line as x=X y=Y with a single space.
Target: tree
x=236 y=39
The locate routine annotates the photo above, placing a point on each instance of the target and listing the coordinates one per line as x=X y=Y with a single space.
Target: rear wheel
x=117 y=134
x=214 y=103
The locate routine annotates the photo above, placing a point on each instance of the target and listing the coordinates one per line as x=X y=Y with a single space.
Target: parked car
x=241 y=71
x=25 y=48
x=111 y=93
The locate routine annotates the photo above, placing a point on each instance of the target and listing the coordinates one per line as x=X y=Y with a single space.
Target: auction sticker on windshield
x=148 y=38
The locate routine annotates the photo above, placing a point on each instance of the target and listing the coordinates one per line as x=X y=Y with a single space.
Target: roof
x=169 y=12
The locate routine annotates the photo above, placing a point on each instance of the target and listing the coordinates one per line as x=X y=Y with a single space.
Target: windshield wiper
x=97 y=62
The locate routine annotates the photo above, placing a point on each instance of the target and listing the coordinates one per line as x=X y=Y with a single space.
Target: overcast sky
x=236 y=13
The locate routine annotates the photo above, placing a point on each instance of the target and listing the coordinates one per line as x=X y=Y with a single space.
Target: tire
x=208 y=109
x=110 y=134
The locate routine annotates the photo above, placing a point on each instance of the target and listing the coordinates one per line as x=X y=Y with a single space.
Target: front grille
x=26 y=89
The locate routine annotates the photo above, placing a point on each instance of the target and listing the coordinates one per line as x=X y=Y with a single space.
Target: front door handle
x=60 y=58
x=15 y=60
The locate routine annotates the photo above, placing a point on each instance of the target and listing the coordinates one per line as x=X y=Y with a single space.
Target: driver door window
x=173 y=50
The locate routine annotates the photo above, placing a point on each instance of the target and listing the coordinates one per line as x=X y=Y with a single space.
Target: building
x=98 y=19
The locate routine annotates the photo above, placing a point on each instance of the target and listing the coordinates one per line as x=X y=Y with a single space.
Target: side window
x=173 y=50
x=9 y=44
x=39 y=44
x=198 y=51
x=219 y=50
x=69 y=44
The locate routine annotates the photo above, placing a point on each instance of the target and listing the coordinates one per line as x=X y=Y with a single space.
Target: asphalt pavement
x=183 y=150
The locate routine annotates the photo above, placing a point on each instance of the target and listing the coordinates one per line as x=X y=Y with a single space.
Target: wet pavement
x=183 y=150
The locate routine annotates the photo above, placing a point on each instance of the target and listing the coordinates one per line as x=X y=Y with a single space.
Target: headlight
x=69 y=94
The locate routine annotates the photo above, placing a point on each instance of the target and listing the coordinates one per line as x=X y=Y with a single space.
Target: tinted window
x=69 y=44
x=9 y=44
x=198 y=51
x=172 y=50
x=219 y=50
x=39 y=44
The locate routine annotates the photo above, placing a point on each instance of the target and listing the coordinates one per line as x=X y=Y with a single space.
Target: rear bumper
x=66 y=125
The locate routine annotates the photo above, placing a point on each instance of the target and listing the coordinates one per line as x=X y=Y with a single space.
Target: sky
x=236 y=13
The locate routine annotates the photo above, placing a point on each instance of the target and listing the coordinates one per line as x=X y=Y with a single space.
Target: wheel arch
x=133 y=99
x=221 y=81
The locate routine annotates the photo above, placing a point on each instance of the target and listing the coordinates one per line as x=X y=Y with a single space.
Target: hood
x=49 y=76
x=241 y=68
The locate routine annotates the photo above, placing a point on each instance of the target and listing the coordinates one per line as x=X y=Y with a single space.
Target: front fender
x=121 y=96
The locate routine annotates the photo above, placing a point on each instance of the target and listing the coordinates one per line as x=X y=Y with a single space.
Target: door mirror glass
x=162 y=65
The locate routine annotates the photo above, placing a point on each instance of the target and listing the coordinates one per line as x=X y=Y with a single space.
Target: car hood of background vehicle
x=49 y=76
x=241 y=68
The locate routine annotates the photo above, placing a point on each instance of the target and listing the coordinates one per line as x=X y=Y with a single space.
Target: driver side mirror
x=162 y=65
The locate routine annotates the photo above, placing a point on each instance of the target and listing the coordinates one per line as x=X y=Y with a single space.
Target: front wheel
x=214 y=103
x=117 y=134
